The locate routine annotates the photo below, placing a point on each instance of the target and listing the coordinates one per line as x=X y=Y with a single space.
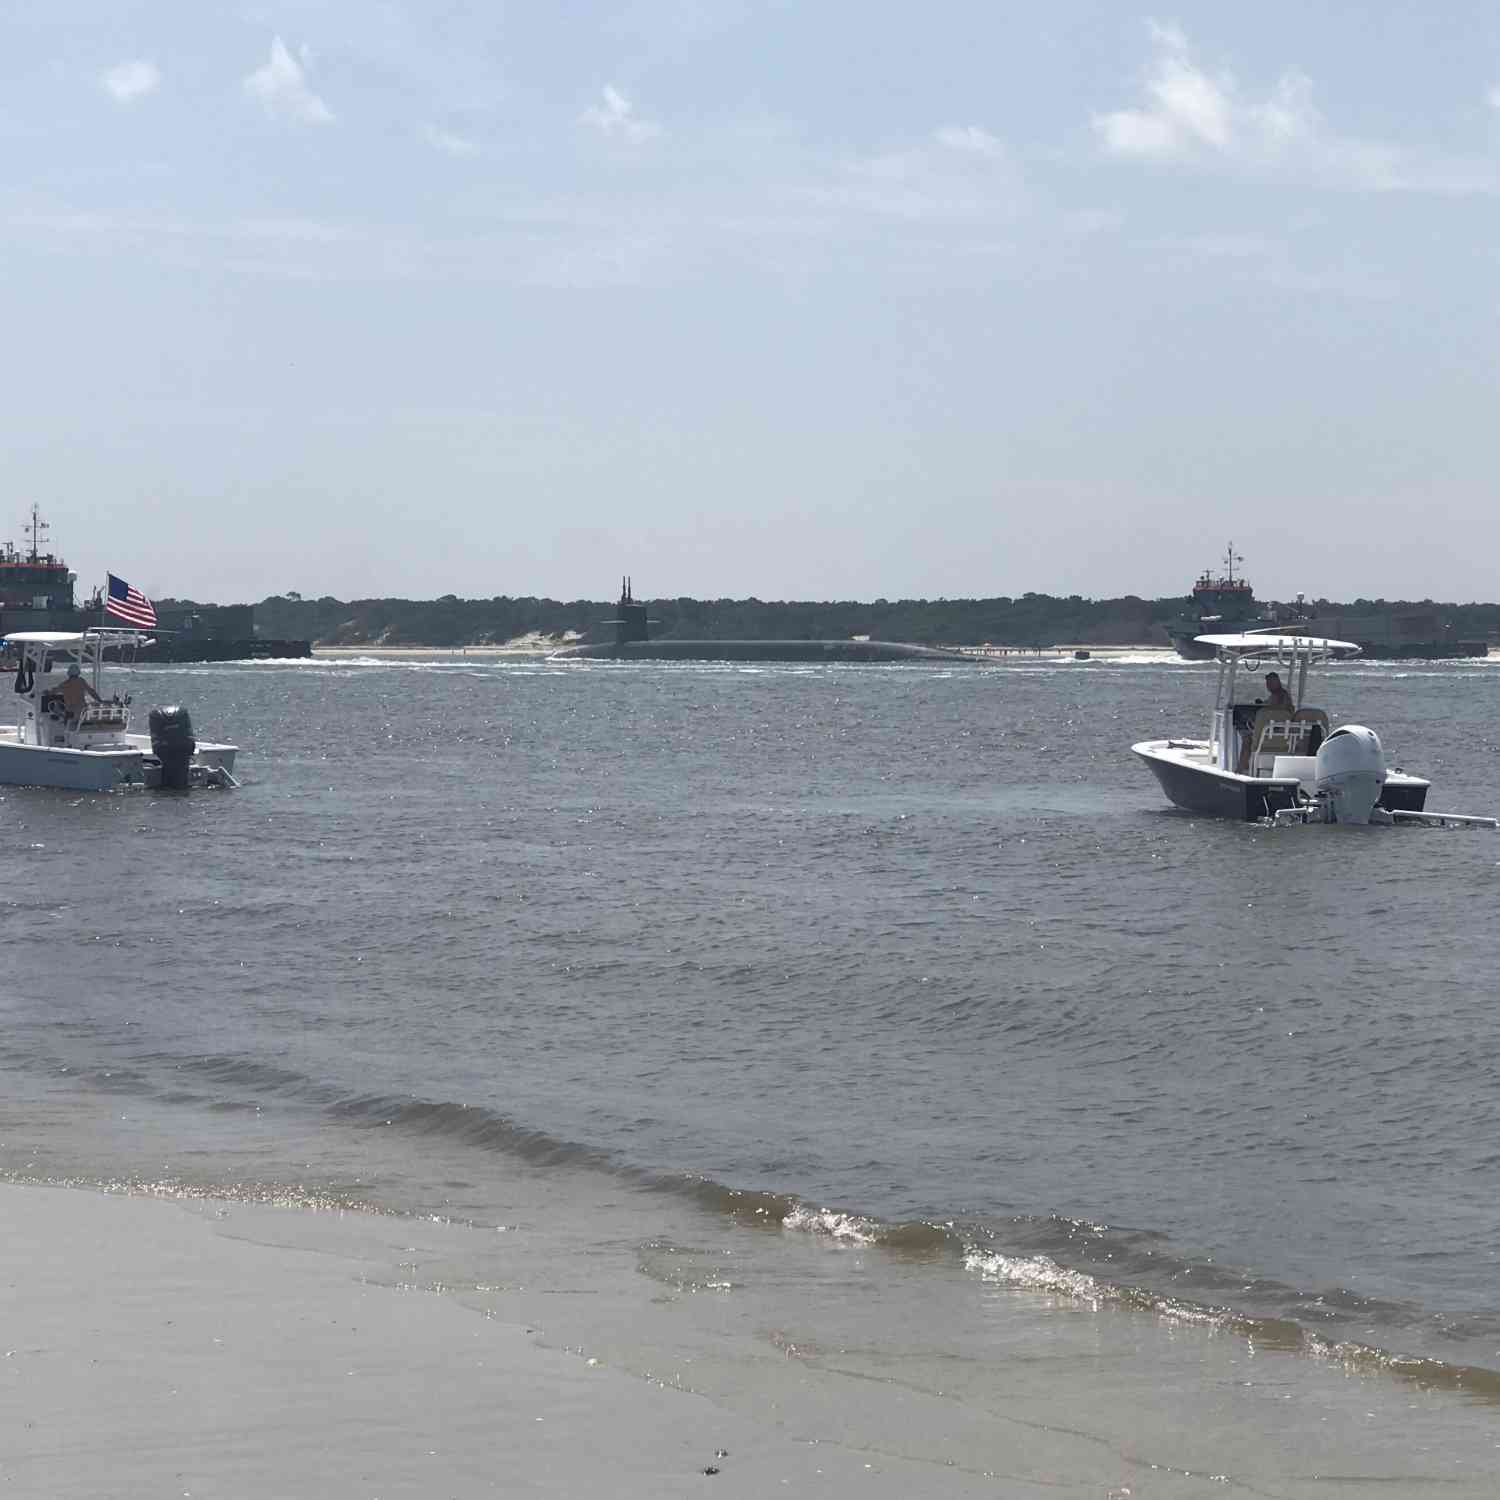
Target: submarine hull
x=762 y=651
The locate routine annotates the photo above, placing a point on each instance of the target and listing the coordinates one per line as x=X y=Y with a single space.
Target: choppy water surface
x=911 y=946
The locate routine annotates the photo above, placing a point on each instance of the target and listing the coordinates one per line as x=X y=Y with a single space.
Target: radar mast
x=38 y=530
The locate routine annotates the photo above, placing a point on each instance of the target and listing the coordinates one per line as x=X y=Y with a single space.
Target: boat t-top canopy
x=1292 y=653
x=49 y=649
x=1314 y=647
x=109 y=635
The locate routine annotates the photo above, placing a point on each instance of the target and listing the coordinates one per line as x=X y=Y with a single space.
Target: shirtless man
x=1276 y=697
x=75 y=692
x=1279 y=697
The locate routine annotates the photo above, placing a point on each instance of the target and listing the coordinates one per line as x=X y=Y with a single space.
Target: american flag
x=128 y=604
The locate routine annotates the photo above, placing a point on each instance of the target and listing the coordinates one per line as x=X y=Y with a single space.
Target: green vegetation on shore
x=1031 y=620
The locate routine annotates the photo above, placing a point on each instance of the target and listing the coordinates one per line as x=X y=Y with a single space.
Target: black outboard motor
x=172 y=743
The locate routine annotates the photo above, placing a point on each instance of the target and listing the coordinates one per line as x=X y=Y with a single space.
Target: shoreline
x=333 y=653
x=997 y=653
x=185 y=1345
x=214 y=1347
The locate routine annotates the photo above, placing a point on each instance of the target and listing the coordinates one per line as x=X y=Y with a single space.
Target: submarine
x=633 y=642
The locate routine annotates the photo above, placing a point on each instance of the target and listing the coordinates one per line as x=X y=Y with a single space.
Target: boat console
x=1264 y=732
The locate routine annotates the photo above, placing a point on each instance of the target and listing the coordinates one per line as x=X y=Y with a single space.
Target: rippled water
x=864 y=949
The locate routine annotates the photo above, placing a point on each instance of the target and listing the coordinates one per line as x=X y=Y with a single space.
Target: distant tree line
x=1031 y=620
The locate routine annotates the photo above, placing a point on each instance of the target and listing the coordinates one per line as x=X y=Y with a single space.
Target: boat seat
x=1273 y=731
x=103 y=716
x=1304 y=768
x=1279 y=732
x=1316 y=717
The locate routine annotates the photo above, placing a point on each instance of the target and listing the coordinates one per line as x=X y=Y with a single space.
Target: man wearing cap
x=74 y=692
x=1279 y=696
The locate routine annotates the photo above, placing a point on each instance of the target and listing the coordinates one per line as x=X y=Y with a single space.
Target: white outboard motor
x=1351 y=773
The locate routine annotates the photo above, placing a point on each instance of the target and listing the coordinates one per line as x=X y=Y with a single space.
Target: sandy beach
x=154 y=1348
x=205 y=1347
x=159 y=1348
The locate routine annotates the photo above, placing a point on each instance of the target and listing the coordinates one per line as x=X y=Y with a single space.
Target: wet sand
x=156 y=1348
x=201 y=1347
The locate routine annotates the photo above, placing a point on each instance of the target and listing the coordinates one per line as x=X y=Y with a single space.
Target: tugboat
x=36 y=588
x=1219 y=604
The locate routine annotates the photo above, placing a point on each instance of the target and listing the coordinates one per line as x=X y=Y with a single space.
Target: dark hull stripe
x=1208 y=791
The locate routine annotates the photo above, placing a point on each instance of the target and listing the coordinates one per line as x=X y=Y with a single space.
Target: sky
x=817 y=300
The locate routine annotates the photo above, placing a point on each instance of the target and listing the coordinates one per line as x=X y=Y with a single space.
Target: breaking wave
x=1099 y=1265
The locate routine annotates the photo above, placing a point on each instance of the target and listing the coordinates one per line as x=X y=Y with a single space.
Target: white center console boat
x=71 y=732
x=1264 y=760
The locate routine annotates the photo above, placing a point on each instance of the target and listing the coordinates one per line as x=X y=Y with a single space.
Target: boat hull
x=1216 y=793
x=1404 y=793
x=207 y=753
x=102 y=770
x=216 y=649
x=760 y=651
x=1419 y=636
x=71 y=770
x=1187 y=647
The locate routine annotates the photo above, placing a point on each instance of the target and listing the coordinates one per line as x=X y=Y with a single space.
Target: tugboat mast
x=38 y=529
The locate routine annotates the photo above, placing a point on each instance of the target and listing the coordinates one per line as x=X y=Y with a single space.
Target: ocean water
x=882 y=1018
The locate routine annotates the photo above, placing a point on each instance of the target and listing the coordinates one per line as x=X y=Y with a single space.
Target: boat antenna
x=38 y=529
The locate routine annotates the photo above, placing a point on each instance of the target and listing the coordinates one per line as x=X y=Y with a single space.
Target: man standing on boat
x=1279 y=697
x=75 y=692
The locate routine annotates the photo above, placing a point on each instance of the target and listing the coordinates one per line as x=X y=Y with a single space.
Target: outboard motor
x=1351 y=772
x=172 y=743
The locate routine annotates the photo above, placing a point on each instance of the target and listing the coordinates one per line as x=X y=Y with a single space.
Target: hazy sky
x=801 y=300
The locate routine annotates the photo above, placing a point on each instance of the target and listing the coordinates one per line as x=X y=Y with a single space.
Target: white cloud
x=970 y=138
x=1188 y=111
x=282 y=88
x=1190 y=115
x=1494 y=97
x=446 y=140
x=128 y=81
x=617 y=119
